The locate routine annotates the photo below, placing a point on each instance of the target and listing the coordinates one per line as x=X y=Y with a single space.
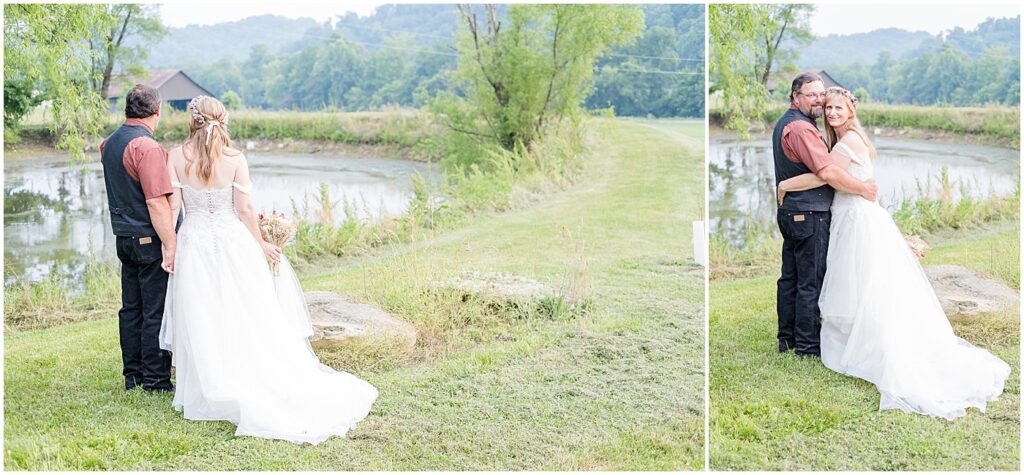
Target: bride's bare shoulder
x=234 y=154
x=854 y=141
x=175 y=153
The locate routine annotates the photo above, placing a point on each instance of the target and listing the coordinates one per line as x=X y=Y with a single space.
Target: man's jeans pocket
x=796 y=225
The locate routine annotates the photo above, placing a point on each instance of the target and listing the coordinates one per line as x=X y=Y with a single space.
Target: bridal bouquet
x=276 y=229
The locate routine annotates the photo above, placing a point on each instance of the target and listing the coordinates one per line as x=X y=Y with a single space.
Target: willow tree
x=46 y=51
x=519 y=75
x=113 y=46
x=745 y=43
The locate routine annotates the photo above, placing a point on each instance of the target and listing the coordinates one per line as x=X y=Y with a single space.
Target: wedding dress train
x=882 y=322
x=239 y=339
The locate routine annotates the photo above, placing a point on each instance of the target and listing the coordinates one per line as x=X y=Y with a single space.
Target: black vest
x=129 y=215
x=815 y=199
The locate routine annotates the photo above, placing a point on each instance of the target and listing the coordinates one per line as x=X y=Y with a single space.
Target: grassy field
x=616 y=385
x=781 y=412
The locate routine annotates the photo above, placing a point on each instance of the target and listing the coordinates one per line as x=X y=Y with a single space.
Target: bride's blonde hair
x=831 y=137
x=207 y=136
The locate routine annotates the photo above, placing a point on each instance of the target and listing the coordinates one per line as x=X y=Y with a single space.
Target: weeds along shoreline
x=994 y=125
x=927 y=215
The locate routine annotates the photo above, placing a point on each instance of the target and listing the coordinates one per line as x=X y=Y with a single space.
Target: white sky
x=830 y=18
x=844 y=19
x=179 y=14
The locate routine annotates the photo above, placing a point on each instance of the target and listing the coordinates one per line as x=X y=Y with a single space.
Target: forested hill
x=844 y=50
x=959 y=68
x=841 y=50
x=424 y=25
x=205 y=44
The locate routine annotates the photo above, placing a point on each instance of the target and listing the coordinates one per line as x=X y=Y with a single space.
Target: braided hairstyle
x=207 y=136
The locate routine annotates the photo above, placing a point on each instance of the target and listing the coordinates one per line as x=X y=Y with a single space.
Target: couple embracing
x=203 y=298
x=852 y=291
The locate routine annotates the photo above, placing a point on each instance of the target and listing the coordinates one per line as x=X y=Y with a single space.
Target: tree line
x=506 y=78
x=948 y=76
x=660 y=74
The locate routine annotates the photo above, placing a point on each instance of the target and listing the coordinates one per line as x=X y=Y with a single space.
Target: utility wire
x=449 y=38
x=440 y=53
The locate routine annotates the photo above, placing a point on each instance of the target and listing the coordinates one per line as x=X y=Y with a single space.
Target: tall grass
x=406 y=128
x=998 y=123
x=925 y=214
x=47 y=303
x=495 y=180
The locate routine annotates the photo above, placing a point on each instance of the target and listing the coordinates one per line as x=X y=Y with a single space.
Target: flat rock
x=497 y=286
x=337 y=318
x=962 y=292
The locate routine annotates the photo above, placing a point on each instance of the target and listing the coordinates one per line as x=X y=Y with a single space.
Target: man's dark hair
x=802 y=79
x=141 y=102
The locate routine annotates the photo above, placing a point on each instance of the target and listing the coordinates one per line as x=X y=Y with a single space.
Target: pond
x=56 y=218
x=741 y=179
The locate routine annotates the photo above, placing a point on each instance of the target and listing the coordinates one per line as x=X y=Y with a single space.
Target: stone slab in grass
x=963 y=292
x=336 y=318
x=497 y=286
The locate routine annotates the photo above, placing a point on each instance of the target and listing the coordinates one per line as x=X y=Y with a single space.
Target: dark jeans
x=804 y=247
x=143 y=288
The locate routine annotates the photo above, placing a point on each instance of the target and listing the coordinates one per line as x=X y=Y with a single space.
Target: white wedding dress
x=882 y=322
x=238 y=335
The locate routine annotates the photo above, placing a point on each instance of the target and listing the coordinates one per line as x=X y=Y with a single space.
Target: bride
x=238 y=338
x=881 y=320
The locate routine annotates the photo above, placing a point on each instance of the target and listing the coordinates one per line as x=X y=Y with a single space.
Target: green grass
x=781 y=412
x=616 y=385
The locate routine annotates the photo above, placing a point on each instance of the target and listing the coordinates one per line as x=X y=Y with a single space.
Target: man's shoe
x=808 y=355
x=160 y=389
x=785 y=346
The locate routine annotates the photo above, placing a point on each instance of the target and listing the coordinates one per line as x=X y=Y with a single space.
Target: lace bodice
x=212 y=201
x=213 y=204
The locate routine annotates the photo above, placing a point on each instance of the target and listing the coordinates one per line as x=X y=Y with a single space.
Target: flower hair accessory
x=842 y=91
x=196 y=115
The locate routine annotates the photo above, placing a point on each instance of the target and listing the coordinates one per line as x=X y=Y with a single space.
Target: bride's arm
x=175 y=198
x=241 y=188
x=809 y=180
x=803 y=182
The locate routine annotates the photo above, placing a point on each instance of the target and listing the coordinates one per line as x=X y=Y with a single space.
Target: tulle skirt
x=238 y=337
x=882 y=322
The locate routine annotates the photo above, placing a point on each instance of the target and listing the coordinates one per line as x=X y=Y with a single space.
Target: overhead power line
x=441 y=53
x=449 y=38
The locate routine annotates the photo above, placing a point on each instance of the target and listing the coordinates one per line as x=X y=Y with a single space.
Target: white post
x=700 y=244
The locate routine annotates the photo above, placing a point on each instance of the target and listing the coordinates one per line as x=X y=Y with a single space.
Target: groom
x=804 y=216
x=138 y=185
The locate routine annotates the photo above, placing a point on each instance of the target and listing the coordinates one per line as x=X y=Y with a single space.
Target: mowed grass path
x=617 y=387
x=781 y=412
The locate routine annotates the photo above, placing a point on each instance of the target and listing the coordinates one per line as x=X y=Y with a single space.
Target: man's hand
x=168 y=254
x=871 y=190
x=781 y=195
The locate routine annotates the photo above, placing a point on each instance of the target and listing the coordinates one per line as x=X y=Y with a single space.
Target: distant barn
x=785 y=80
x=175 y=87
